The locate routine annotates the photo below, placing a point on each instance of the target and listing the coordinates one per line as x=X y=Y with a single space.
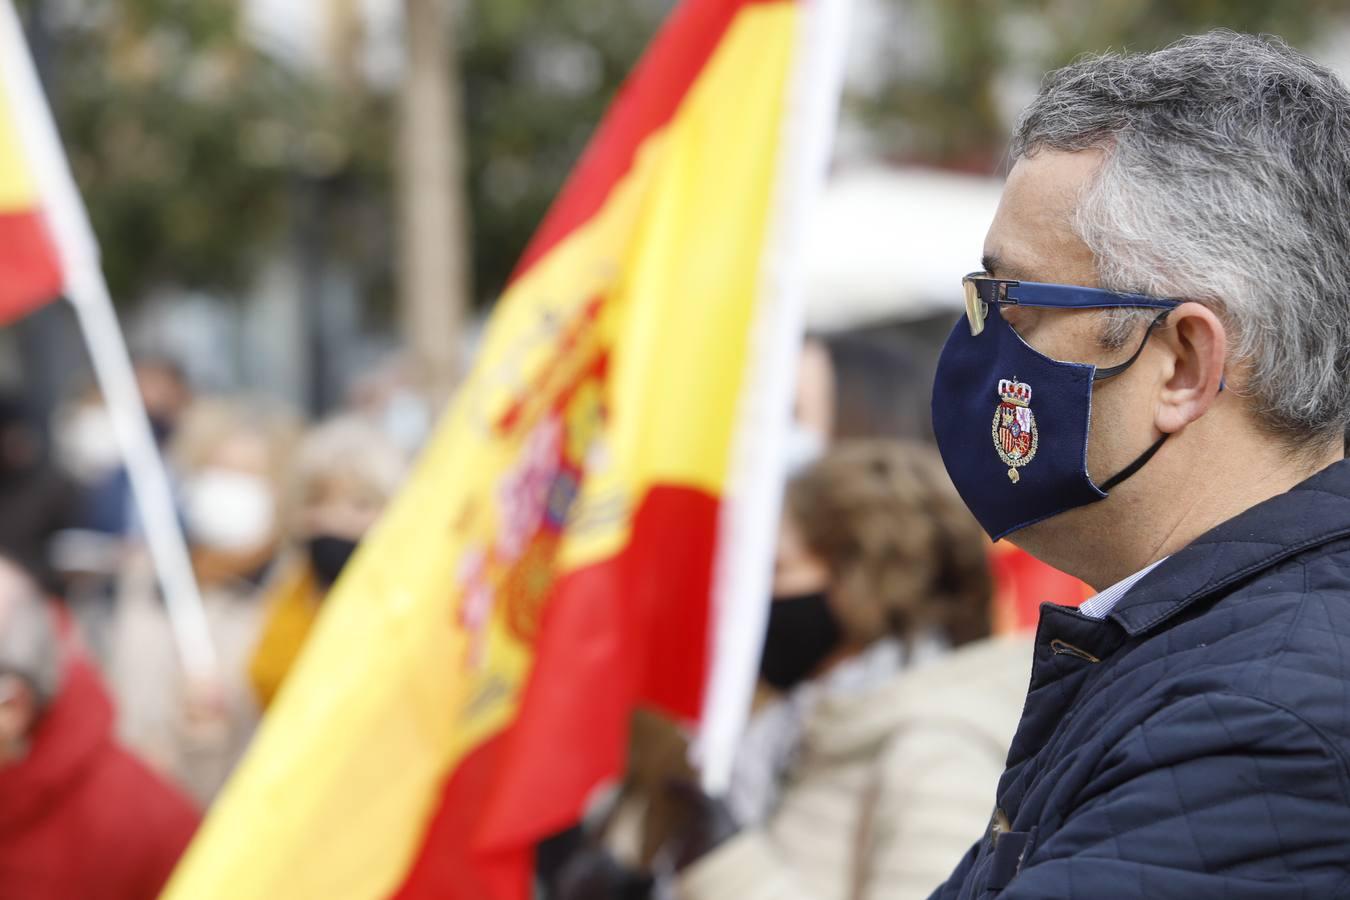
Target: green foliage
x=190 y=143
x=943 y=102
x=187 y=141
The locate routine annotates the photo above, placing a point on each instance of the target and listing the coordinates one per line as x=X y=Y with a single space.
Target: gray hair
x=352 y=446
x=28 y=644
x=1226 y=180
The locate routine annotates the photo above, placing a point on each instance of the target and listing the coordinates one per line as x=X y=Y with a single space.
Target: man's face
x=1032 y=239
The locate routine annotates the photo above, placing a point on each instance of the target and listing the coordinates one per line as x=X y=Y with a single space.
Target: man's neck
x=1158 y=516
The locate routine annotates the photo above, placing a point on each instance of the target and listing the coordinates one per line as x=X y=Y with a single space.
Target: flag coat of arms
x=1016 y=437
x=590 y=527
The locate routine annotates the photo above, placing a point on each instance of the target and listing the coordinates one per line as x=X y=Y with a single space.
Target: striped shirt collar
x=1100 y=605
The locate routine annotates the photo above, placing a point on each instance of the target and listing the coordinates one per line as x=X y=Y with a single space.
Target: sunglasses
x=983 y=291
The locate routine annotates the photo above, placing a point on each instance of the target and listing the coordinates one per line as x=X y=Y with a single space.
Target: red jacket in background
x=1022 y=583
x=80 y=817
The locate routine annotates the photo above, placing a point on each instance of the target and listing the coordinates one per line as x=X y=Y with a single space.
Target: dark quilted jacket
x=1196 y=743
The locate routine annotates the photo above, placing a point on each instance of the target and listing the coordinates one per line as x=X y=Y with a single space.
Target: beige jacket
x=156 y=716
x=891 y=789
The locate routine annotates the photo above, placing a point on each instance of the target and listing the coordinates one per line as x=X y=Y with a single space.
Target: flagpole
x=88 y=294
x=65 y=218
x=742 y=580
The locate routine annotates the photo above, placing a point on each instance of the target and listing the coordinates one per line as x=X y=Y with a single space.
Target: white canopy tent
x=891 y=244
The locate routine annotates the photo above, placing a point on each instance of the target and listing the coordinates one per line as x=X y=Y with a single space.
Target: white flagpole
x=65 y=217
x=88 y=294
x=749 y=521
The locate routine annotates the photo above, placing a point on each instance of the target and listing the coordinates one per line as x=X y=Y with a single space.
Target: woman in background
x=890 y=710
x=231 y=458
x=345 y=472
x=883 y=721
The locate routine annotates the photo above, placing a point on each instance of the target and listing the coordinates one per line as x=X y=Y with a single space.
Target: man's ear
x=1197 y=344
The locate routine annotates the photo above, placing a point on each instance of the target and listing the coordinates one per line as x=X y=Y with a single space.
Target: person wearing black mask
x=346 y=472
x=885 y=709
x=882 y=720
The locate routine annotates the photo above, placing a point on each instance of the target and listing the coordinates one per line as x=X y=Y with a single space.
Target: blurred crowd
x=105 y=742
x=882 y=659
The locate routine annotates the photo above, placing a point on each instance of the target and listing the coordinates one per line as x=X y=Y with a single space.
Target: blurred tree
x=950 y=74
x=434 y=241
x=185 y=138
x=188 y=140
x=537 y=78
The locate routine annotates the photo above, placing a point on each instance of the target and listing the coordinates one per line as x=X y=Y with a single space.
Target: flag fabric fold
x=551 y=562
x=30 y=272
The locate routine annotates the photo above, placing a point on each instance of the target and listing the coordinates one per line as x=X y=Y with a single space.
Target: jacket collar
x=1312 y=513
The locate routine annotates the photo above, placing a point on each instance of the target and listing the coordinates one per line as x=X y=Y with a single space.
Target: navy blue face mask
x=1011 y=423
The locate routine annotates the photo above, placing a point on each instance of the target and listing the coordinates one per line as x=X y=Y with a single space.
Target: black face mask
x=803 y=631
x=327 y=555
x=162 y=428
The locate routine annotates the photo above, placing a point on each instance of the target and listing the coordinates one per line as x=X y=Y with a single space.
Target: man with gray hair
x=1161 y=333
x=79 y=816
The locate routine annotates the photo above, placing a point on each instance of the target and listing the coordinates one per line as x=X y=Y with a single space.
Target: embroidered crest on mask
x=1014 y=431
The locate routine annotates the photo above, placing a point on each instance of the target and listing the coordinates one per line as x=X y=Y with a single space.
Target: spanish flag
x=590 y=527
x=30 y=271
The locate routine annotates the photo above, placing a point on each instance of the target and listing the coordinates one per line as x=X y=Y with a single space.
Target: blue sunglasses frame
x=983 y=291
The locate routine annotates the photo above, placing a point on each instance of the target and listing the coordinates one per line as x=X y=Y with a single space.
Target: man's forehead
x=1032 y=235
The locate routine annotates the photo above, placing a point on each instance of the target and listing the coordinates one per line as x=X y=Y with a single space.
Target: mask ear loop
x=1135 y=466
x=1113 y=371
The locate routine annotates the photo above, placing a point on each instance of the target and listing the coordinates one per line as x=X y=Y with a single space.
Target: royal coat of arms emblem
x=1014 y=431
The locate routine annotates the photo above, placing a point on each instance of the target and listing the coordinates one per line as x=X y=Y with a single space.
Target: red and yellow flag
x=552 y=561
x=30 y=273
